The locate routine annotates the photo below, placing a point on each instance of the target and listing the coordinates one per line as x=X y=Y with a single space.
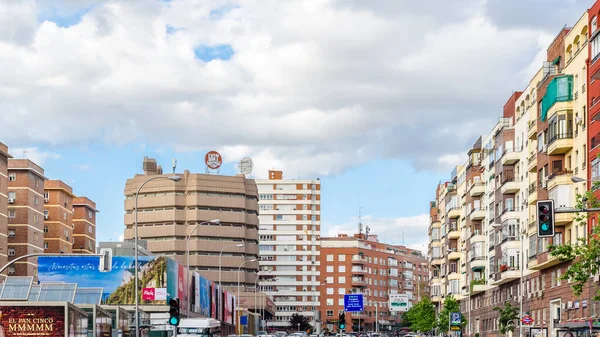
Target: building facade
x=25 y=215
x=58 y=217
x=290 y=229
x=489 y=229
x=84 y=225
x=171 y=211
x=363 y=265
x=4 y=156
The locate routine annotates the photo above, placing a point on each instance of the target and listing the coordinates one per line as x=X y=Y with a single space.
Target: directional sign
x=455 y=318
x=398 y=302
x=353 y=303
x=527 y=320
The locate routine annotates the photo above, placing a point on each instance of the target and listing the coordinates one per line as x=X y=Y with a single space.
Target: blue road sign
x=353 y=303
x=244 y=320
x=455 y=318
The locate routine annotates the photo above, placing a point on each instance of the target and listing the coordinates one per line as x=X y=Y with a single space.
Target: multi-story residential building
x=532 y=154
x=25 y=215
x=4 y=156
x=290 y=229
x=84 y=225
x=169 y=211
x=593 y=98
x=359 y=264
x=58 y=217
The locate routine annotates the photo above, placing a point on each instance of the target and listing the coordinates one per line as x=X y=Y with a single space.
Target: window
x=46 y=229
x=594 y=24
x=329 y=301
x=595 y=46
x=330 y=257
x=11 y=252
x=65 y=216
x=341 y=258
x=46 y=196
x=11 y=233
x=90 y=229
x=330 y=269
x=35 y=218
x=45 y=245
x=340 y=301
x=342 y=279
x=12 y=213
x=90 y=214
x=35 y=236
x=46 y=214
x=329 y=313
x=596 y=170
x=12 y=177
x=12 y=195
x=329 y=279
x=37 y=182
x=342 y=291
x=35 y=200
x=342 y=269
x=329 y=291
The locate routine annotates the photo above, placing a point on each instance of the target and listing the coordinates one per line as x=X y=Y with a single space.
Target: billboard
x=24 y=321
x=228 y=307
x=204 y=296
x=118 y=284
x=399 y=303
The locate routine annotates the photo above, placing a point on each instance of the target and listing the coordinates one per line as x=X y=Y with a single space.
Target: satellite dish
x=246 y=166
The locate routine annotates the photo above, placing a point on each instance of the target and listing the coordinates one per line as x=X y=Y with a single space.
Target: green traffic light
x=174 y=321
x=545 y=226
x=342 y=326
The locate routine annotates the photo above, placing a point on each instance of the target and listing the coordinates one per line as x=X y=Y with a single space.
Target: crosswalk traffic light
x=342 y=320
x=545 y=218
x=174 y=311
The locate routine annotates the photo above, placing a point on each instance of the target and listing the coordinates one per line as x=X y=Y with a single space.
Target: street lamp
x=238 y=288
x=256 y=291
x=135 y=249
x=221 y=255
x=469 y=298
x=314 y=306
x=522 y=266
x=216 y=222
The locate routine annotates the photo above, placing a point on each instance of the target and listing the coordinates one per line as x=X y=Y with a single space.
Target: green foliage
x=154 y=274
x=477 y=282
x=421 y=317
x=450 y=305
x=303 y=320
x=585 y=252
x=508 y=315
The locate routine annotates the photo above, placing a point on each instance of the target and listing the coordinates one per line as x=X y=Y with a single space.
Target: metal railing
x=563 y=135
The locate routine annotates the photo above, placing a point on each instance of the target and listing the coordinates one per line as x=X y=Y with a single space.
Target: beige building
x=25 y=214
x=169 y=211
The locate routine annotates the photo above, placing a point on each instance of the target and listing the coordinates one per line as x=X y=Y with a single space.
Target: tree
x=450 y=305
x=508 y=315
x=421 y=317
x=585 y=252
x=296 y=319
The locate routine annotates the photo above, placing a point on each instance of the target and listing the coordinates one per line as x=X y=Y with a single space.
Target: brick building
x=84 y=225
x=355 y=264
x=58 y=217
x=4 y=156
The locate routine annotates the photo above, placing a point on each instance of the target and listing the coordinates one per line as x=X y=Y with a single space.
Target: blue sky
x=316 y=89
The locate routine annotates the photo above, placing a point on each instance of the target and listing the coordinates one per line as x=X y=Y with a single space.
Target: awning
x=556 y=60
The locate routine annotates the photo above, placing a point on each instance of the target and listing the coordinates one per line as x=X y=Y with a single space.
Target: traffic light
x=342 y=320
x=174 y=311
x=545 y=216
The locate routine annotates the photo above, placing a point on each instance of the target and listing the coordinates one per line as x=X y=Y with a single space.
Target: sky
x=379 y=99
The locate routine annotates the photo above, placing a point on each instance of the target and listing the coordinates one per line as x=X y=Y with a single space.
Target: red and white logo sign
x=148 y=294
x=213 y=160
x=527 y=320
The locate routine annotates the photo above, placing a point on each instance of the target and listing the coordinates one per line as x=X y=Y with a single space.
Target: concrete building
x=360 y=264
x=58 y=217
x=84 y=225
x=290 y=229
x=4 y=156
x=532 y=154
x=169 y=211
x=25 y=214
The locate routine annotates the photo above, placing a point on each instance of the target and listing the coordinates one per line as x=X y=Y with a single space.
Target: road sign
x=244 y=320
x=353 y=303
x=527 y=320
x=398 y=303
x=455 y=318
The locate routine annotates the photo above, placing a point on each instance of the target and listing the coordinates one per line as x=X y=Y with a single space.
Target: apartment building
x=4 y=156
x=84 y=225
x=360 y=264
x=25 y=215
x=593 y=98
x=171 y=211
x=290 y=229
x=538 y=146
x=58 y=217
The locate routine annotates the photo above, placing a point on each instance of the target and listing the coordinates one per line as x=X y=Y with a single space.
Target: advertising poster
x=118 y=284
x=204 y=297
x=197 y=304
x=219 y=302
x=213 y=302
x=32 y=321
x=228 y=307
x=181 y=286
x=172 y=276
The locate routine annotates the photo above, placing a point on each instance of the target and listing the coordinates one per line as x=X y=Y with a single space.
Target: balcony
x=562 y=219
x=532 y=163
x=478 y=263
x=509 y=186
x=437 y=298
x=560 y=177
x=509 y=213
x=477 y=189
x=544 y=260
x=509 y=157
x=560 y=143
x=359 y=270
x=438 y=261
x=477 y=214
x=477 y=237
x=532 y=129
x=560 y=89
x=454 y=212
x=359 y=260
x=359 y=282
x=532 y=196
x=595 y=141
x=454 y=255
x=454 y=233
x=507 y=274
x=478 y=288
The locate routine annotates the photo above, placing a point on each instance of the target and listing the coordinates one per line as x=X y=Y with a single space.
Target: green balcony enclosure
x=560 y=89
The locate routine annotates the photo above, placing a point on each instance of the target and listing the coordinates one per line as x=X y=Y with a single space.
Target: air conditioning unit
x=545 y=182
x=11 y=200
x=578 y=120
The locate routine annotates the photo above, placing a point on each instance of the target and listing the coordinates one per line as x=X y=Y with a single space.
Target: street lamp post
x=216 y=222
x=238 y=289
x=256 y=291
x=314 y=307
x=221 y=255
x=135 y=249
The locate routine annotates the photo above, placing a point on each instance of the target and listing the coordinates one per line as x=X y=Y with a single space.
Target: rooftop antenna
x=359 y=220
x=367 y=231
x=174 y=164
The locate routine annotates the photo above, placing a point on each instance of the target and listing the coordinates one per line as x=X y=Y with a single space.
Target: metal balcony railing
x=564 y=135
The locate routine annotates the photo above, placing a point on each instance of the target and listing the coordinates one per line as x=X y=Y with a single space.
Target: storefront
x=99 y=322
x=42 y=319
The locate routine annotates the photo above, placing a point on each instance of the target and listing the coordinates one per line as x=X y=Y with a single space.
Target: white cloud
x=410 y=231
x=312 y=88
x=82 y=167
x=34 y=154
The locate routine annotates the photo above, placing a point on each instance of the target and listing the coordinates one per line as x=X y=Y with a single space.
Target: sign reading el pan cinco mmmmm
x=157 y=275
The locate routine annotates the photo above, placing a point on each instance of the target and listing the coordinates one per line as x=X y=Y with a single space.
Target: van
x=199 y=327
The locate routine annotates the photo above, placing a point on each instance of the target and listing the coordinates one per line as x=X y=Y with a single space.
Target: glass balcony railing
x=560 y=89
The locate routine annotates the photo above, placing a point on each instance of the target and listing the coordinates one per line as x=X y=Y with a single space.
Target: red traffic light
x=544 y=209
